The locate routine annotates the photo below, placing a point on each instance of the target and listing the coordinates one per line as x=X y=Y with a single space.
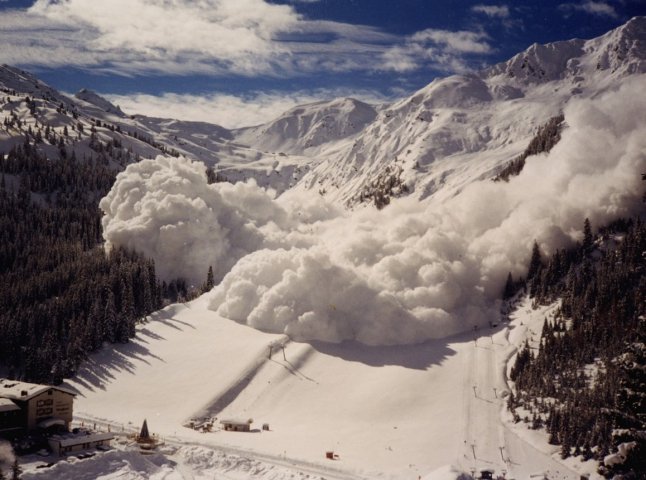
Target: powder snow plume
x=165 y=209
x=410 y=272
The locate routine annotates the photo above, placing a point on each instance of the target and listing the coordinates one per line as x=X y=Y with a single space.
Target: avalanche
x=411 y=272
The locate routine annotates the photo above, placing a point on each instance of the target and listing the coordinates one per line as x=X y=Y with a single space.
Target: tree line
x=586 y=382
x=61 y=295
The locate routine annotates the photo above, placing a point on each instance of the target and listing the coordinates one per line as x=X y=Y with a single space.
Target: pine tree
x=535 y=262
x=110 y=317
x=588 y=241
x=510 y=288
x=210 y=282
x=211 y=176
x=127 y=309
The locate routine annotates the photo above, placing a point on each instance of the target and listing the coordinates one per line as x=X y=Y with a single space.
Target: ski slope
x=427 y=411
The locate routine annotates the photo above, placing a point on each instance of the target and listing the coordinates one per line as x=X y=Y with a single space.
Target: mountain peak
x=539 y=63
x=634 y=26
x=622 y=50
x=14 y=78
x=311 y=125
x=97 y=100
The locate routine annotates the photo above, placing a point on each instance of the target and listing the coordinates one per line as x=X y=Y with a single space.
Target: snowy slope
x=617 y=53
x=92 y=98
x=134 y=136
x=308 y=126
x=388 y=412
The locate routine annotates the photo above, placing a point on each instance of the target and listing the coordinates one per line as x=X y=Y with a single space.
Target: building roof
x=15 y=390
x=7 y=405
x=71 y=439
x=235 y=421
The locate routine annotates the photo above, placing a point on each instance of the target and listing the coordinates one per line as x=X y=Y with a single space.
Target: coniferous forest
x=546 y=137
x=61 y=295
x=586 y=382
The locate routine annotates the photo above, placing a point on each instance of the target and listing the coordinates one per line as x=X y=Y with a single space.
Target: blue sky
x=237 y=62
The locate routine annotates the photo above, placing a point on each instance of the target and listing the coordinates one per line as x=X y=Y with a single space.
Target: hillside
x=388 y=412
x=438 y=135
x=432 y=141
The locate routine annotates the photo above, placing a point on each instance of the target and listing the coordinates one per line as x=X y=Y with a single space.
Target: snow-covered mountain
x=442 y=129
x=429 y=143
x=306 y=127
x=92 y=98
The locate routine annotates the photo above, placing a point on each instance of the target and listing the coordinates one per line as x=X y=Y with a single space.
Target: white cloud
x=236 y=35
x=410 y=272
x=499 y=11
x=592 y=7
x=240 y=37
x=459 y=42
x=401 y=58
x=230 y=111
x=443 y=50
x=214 y=37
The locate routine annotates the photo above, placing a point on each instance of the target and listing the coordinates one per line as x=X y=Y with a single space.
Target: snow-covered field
x=429 y=411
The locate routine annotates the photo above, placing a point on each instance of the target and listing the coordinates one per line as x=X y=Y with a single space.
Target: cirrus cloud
x=215 y=37
x=236 y=36
x=501 y=11
x=442 y=50
x=603 y=9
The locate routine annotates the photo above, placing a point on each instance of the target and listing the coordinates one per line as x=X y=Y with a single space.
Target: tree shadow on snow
x=102 y=367
x=168 y=316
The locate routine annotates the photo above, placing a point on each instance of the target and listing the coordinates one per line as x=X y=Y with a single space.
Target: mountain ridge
x=341 y=148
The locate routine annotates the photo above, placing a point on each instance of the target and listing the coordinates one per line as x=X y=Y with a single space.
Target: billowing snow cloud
x=165 y=209
x=405 y=274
